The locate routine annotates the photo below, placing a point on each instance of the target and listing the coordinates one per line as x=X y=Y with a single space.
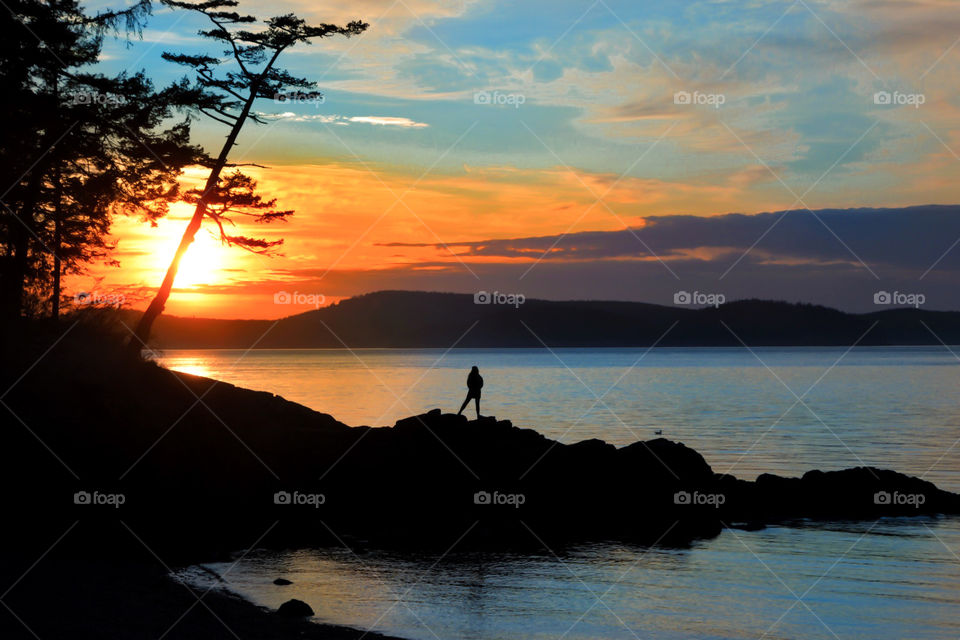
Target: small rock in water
x=295 y=609
x=282 y=582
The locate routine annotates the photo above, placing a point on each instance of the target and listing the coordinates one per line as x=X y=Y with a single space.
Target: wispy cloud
x=388 y=121
x=384 y=121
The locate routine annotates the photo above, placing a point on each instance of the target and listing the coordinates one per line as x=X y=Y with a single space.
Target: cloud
x=840 y=285
x=388 y=121
x=910 y=239
x=349 y=220
x=385 y=121
x=795 y=256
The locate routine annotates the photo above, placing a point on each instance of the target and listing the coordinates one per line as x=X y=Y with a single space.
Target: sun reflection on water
x=193 y=366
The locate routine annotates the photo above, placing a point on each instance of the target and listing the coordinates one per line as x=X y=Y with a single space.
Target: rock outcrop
x=295 y=609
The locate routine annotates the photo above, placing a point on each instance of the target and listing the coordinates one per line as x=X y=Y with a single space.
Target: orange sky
x=345 y=214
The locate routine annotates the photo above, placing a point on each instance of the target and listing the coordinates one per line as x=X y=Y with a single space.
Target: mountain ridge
x=420 y=319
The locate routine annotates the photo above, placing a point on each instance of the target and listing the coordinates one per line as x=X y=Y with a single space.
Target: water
x=888 y=579
x=888 y=407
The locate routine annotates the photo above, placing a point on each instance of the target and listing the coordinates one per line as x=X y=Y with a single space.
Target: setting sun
x=200 y=265
x=203 y=262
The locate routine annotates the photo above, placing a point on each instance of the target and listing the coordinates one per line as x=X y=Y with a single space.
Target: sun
x=202 y=262
x=201 y=265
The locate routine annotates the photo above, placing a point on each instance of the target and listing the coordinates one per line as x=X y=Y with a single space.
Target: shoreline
x=249 y=612
x=256 y=578
x=109 y=598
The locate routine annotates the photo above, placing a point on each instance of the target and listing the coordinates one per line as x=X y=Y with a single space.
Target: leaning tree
x=227 y=88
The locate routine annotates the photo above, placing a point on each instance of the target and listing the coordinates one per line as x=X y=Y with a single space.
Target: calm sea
x=748 y=412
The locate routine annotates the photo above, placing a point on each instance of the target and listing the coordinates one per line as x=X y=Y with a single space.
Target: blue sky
x=598 y=81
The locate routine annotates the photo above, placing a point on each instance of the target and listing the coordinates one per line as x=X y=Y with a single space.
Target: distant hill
x=422 y=319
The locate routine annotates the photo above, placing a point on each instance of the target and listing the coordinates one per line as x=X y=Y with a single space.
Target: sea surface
x=780 y=410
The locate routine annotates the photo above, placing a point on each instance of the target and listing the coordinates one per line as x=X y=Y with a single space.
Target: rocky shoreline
x=443 y=469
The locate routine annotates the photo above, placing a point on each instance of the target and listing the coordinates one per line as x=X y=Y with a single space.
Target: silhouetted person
x=474 y=384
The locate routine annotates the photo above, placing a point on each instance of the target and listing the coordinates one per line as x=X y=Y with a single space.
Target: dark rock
x=282 y=582
x=425 y=480
x=662 y=458
x=593 y=446
x=295 y=609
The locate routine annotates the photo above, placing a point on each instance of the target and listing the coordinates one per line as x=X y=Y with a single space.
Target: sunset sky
x=581 y=171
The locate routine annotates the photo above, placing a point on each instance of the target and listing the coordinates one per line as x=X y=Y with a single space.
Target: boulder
x=295 y=609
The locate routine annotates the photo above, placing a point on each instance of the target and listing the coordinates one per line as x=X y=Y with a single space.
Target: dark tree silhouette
x=84 y=147
x=112 y=161
x=237 y=195
x=228 y=97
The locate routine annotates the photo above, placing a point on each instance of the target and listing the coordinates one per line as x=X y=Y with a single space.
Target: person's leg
x=477 y=400
x=464 y=405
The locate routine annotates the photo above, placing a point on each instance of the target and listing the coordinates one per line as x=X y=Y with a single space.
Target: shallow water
x=781 y=410
x=888 y=579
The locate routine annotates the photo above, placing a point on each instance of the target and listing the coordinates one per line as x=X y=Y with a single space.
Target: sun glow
x=201 y=265
x=202 y=262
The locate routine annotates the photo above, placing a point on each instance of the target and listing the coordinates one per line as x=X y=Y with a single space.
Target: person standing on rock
x=474 y=384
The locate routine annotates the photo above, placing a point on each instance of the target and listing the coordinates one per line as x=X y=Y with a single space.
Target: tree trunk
x=57 y=240
x=142 y=333
x=13 y=287
x=21 y=231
